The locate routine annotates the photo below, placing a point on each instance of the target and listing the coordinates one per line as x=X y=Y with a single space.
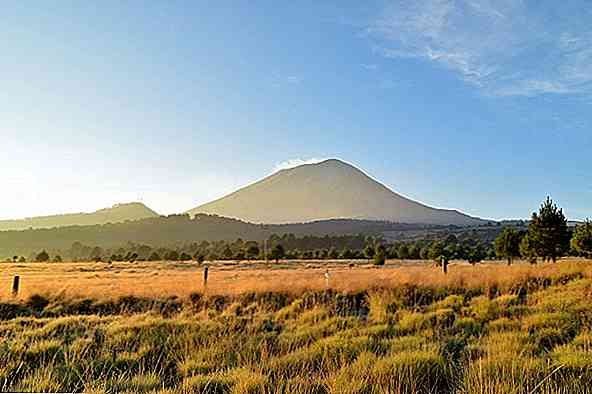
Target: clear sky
x=484 y=106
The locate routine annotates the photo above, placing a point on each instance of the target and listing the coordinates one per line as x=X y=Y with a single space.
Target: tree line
x=276 y=247
x=179 y=229
x=547 y=237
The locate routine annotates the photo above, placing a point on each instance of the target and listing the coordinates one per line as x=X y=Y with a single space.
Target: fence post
x=327 y=276
x=15 y=285
x=205 y=277
x=445 y=265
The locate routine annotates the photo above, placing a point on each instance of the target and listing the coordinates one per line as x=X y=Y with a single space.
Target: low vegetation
x=489 y=329
x=354 y=321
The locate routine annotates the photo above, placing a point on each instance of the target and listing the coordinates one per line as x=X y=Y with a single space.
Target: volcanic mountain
x=115 y=214
x=327 y=190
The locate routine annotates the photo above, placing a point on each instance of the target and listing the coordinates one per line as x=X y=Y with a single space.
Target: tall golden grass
x=166 y=279
x=403 y=328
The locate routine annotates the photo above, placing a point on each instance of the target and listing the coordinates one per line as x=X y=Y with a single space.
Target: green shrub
x=503 y=324
x=139 y=383
x=454 y=302
x=41 y=380
x=192 y=367
x=43 y=351
x=444 y=319
x=467 y=327
x=546 y=339
x=247 y=382
x=37 y=302
x=411 y=322
x=213 y=384
x=484 y=309
x=410 y=343
x=506 y=374
x=379 y=307
x=326 y=354
x=355 y=378
x=291 y=311
x=412 y=372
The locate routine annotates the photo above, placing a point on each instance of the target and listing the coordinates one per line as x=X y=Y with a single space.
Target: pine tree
x=277 y=253
x=581 y=241
x=548 y=233
x=369 y=251
x=42 y=257
x=379 y=255
x=507 y=244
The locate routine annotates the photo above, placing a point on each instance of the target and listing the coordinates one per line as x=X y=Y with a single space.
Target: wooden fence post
x=445 y=265
x=15 y=285
x=205 y=277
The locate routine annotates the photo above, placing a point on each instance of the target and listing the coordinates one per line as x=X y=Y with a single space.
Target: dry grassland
x=168 y=279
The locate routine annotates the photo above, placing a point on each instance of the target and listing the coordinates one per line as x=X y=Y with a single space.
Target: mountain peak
x=333 y=162
x=330 y=189
x=327 y=163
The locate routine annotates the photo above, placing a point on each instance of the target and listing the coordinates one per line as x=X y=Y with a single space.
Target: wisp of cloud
x=506 y=47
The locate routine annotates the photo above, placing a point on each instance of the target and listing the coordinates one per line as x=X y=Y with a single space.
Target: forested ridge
x=180 y=229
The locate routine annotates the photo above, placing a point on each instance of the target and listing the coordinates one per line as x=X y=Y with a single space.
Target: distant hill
x=116 y=214
x=179 y=229
x=328 y=190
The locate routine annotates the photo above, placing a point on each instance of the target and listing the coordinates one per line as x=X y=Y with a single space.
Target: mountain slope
x=327 y=190
x=115 y=214
x=173 y=230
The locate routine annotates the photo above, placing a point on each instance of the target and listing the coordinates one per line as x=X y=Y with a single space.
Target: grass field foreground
x=404 y=328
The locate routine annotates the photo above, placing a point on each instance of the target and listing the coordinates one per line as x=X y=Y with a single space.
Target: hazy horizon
x=470 y=105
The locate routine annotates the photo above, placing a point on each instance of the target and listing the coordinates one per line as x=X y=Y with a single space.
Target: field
x=285 y=328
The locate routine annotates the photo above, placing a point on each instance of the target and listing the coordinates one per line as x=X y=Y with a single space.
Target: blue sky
x=483 y=106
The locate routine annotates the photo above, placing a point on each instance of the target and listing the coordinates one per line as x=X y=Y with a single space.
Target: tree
x=154 y=257
x=507 y=244
x=527 y=249
x=414 y=252
x=171 y=255
x=475 y=254
x=212 y=256
x=452 y=250
x=227 y=253
x=57 y=259
x=369 y=251
x=548 y=233
x=42 y=257
x=436 y=251
x=379 y=255
x=581 y=241
x=239 y=256
x=403 y=252
x=184 y=257
x=424 y=253
x=277 y=252
x=96 y=254
x=333 y=253
x=199 y=258
x=252 y=251
x=346 y=254
x=393 y=252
